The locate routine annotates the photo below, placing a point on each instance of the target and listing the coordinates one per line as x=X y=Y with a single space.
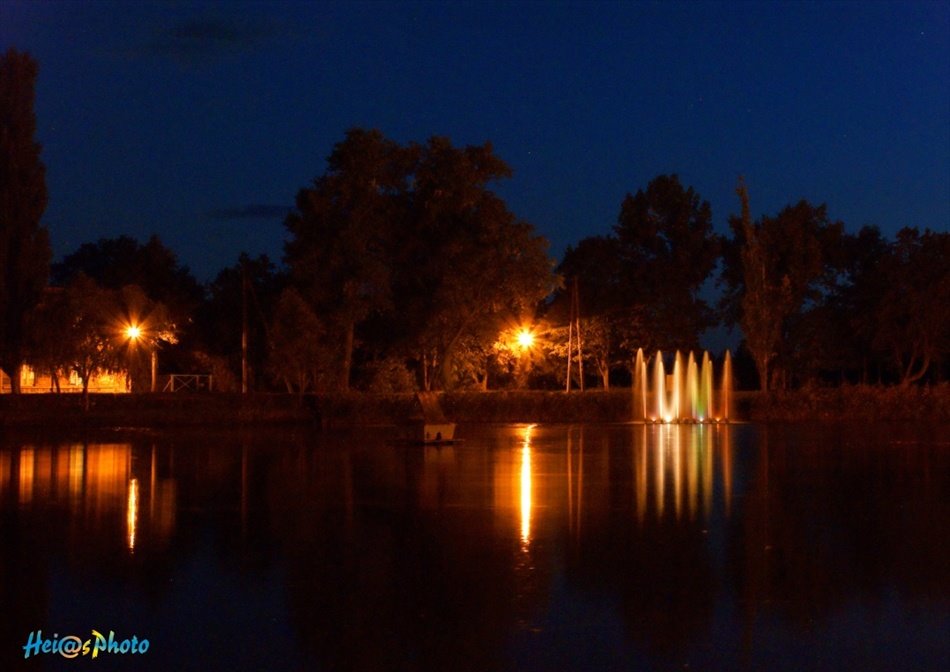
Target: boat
x=428 y=424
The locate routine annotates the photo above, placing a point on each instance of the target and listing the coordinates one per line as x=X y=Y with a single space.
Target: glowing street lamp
x=525 y=339
x=134 y=333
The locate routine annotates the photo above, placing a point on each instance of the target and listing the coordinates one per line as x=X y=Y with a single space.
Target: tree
x=669 y=250
x=763 y=300
x=24 y=244
x=144 y=326
x=609 y=305
x=913 y=315
x=247 y=291
x=299 y=355
x=843 y=326
x=114 y=263
x=95 y=330
x=342 y=235
x=467 y=261
x=49 y=347
x=404 y=253
x=777 y=272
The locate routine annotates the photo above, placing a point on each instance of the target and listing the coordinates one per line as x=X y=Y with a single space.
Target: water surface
x=584 y=547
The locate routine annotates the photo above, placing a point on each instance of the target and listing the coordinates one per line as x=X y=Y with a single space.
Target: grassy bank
x=149 y=410
x=161 y=410
x=851 y=402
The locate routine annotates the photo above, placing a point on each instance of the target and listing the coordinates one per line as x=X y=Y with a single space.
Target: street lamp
x=525 y=339
x=134 y=333
x=522 y=347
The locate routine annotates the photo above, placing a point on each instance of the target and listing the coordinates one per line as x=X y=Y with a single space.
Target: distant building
x=32 y=382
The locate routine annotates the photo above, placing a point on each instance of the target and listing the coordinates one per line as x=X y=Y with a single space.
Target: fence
x=180 y=382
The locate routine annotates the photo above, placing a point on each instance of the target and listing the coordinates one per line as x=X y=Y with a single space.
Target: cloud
x=196 y=40
x=250 y=211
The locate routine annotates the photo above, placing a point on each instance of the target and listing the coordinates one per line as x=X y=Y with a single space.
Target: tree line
x=404 y=270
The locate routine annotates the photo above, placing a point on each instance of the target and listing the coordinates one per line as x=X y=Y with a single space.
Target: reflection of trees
x=387 y=570
x=834 y=518
x=435 y=558
x=668 y=586
x=24 y=591
x=646 y=542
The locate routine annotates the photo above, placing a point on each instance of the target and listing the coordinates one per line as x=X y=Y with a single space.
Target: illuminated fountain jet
x=686 y=394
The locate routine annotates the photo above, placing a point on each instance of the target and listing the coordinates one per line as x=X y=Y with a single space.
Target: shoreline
x=847 y=403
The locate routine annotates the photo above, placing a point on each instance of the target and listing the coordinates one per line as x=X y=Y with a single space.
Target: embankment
x=850 y=402
x=863 y=403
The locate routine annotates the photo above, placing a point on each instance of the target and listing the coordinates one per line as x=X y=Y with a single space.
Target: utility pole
x=574 y=325
x=243 y=327
x=570 y=343
x=580 y=347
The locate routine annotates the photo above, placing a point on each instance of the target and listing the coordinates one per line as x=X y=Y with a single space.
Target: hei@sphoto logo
x=72 y=646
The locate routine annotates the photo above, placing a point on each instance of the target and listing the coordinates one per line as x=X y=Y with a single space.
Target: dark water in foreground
x=543 y=548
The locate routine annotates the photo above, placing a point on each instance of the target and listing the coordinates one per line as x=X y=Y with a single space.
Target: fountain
x=686 y=395
x=639 y=387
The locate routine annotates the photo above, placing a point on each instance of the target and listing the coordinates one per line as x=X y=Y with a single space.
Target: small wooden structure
x=428 y=423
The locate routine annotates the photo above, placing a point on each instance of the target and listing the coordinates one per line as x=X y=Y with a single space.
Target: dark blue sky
x=200 y=121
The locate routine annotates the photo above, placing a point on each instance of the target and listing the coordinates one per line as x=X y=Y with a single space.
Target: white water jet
x=692 y=388
x=639 y=386
x=675 y=410
x=659 y=388
x=704 y=410
x=726 y=394
x=686 y=394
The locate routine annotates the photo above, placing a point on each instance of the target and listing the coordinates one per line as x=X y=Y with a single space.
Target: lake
x=549 y=547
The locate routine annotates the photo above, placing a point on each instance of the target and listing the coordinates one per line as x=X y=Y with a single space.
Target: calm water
x=522 y=548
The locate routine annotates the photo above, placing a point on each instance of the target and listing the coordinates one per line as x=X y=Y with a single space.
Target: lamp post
x=524 y=341
x=134 y=333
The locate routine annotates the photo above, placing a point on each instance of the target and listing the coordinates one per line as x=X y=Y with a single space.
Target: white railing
x=181 y=382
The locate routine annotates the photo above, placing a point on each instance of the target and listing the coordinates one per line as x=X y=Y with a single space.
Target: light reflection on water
x=524 y=547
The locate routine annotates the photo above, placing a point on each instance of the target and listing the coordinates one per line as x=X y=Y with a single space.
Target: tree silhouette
x=340 y=251
x=404 y=253
x=668 y=250
x=913 y=314
x=470 y=261
x=24 y=244
x=777 y=273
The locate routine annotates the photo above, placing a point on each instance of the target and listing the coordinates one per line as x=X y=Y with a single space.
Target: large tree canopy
x=240 y=306
x=24 y=244
x=473 y=264
x=778 y=265
x=116 y=262
x=641 y=287
x=113 y=263
x=342 y=235
x=912 y=326
x=669 y=250
x=407 y=246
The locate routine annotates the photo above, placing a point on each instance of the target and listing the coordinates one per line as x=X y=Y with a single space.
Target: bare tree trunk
x=16 y=372
x=762 y=364
x=347 y=355
x=909 y=375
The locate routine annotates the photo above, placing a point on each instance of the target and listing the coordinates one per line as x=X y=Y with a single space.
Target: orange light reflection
x=132 y=511
x=526 y=486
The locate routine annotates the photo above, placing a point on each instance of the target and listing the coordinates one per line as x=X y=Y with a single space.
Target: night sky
x=200 y=121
